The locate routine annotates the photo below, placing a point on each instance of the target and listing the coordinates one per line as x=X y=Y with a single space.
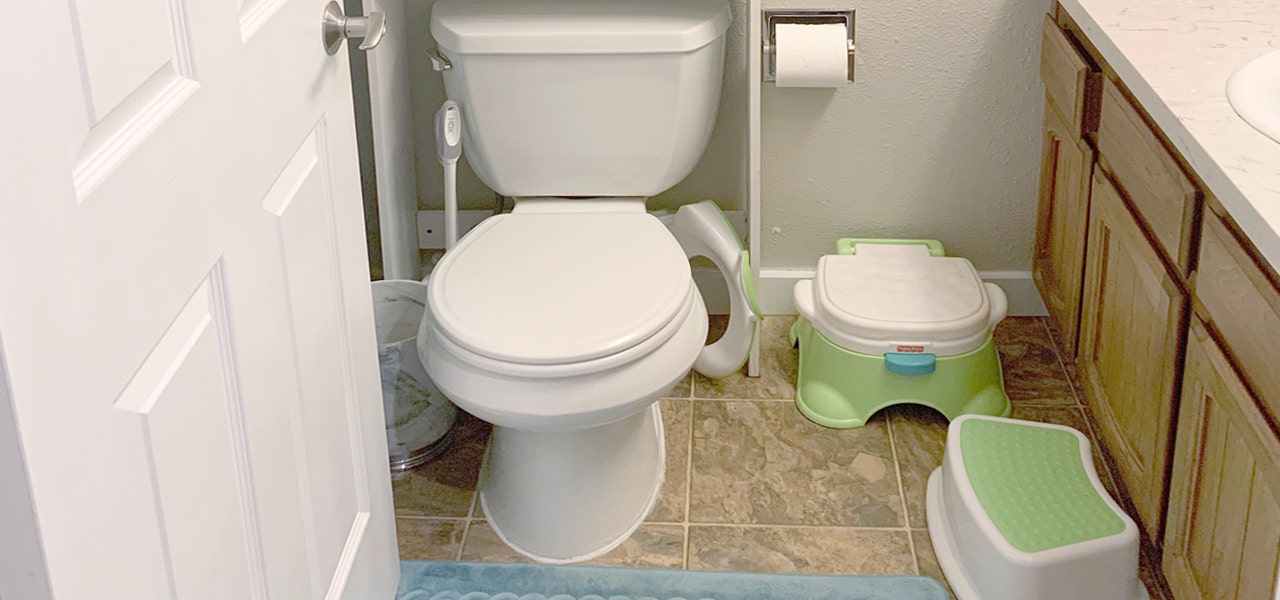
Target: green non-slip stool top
x=1032 y=483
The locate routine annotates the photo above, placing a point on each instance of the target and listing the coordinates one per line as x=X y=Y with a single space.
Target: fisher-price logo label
x=911 y=349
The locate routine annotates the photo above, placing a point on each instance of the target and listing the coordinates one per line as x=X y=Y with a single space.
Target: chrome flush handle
x=336 y=26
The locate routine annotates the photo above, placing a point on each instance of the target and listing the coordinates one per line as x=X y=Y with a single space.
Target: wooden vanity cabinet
x=1206 y=488
x=1066 y=168
x=1222 y=538
x=1131 y=328
x=1062 y=222
x=1243 y=301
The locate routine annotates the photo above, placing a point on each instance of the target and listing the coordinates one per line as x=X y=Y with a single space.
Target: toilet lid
x=560 y=288
x=900 y=293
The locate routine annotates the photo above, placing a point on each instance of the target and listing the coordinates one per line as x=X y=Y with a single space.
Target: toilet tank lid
x=577 y=26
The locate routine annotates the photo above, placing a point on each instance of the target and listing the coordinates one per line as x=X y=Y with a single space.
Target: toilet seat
x=573 y=369
x=525 y=293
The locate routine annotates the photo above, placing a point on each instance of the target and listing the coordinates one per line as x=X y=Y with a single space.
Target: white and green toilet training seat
x=703 y=230
x=888 y=322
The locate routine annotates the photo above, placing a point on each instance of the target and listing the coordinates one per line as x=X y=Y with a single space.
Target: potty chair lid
x=900 y=298
x=560 y=288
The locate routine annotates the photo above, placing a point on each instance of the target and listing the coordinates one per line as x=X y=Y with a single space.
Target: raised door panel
x=1154 y=183
x=1245 y=308
x=1061 y=226
x=1130 y=335
x=1069 y=80
x=1223 y=534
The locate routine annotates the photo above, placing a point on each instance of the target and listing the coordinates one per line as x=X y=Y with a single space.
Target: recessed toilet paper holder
x=808 y=16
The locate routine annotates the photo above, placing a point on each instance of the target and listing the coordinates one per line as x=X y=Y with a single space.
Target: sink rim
x=1247 y=90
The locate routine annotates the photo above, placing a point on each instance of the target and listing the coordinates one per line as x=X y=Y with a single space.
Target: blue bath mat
x=472 y=581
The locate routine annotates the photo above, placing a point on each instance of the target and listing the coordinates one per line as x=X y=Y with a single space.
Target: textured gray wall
x=938 y=138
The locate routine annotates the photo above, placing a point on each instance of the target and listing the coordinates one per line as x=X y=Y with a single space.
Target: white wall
x=22 y=568
x=938 y=138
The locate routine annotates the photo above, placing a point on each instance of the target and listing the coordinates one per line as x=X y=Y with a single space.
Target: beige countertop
x=1175 y=56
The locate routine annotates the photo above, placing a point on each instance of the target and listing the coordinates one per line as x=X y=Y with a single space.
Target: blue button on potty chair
x=888 y=322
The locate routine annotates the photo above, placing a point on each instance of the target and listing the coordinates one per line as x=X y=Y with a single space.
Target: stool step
x=1016 y=511
x=1032 y=483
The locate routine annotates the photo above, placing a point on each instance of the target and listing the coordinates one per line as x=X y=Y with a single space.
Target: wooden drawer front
x=1150 y=177
x=1223 y=534
x=1069 y=82
x=1245 y=309
x=1130 y=334
x=1065 y=172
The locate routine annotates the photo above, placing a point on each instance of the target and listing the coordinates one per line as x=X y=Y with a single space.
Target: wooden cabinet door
x=1065 y=170
x=1222 y=538
x=1130 y=348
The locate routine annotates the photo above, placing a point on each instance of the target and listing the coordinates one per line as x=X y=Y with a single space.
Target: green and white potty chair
x=888 y=322
x=1016 y=511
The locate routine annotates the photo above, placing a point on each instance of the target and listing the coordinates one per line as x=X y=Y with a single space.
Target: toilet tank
x=583 y=97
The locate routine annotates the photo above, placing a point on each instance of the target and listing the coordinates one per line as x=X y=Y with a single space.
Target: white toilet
x=564 y=321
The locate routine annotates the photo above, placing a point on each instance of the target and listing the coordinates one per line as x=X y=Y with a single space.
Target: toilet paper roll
x=811 y=55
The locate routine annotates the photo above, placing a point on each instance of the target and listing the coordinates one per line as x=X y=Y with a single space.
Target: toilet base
x=570 y=496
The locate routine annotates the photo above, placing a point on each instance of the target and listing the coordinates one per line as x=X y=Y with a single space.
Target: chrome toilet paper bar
x=772 y=17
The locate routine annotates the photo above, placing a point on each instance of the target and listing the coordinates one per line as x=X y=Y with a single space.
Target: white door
x=184 y=303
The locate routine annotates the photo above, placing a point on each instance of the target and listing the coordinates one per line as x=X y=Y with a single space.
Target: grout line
x=462 y=544
x=818 y=527
x=746 y=399
x=897 y=467
x=1062 y=363
x=475 y=500
x=915 y=556
x=431 y=518
x=902 y=491
x=688 y=479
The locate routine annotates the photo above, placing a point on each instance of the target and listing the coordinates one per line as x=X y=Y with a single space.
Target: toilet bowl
x=550 y=324
x=563 y=322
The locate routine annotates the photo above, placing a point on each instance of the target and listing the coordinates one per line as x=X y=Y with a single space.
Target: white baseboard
x=775 y=286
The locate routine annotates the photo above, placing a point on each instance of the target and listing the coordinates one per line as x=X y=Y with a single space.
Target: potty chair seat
x=888 y=322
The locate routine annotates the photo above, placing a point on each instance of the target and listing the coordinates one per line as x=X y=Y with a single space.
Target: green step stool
x=1016 y=511
x=887 y=322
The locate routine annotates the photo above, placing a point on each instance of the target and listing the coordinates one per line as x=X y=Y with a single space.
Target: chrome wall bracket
x=772 y=17
x=439 y=62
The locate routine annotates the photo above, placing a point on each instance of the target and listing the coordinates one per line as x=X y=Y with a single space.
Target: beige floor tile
x=675 y=486
x=652 y=545
x=684 y=389
x=445 y=487
x=919 y=437
x=777 y=369
x=429 y=539
x=1068 y=360
x=1033 y=374
x=826 y=550
x=927 y=559
x=764 y=463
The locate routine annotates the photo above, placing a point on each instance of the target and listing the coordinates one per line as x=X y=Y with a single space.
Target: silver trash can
x=419 y=417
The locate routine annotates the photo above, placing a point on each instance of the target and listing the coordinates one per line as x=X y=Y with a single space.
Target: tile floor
x=752 y=485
